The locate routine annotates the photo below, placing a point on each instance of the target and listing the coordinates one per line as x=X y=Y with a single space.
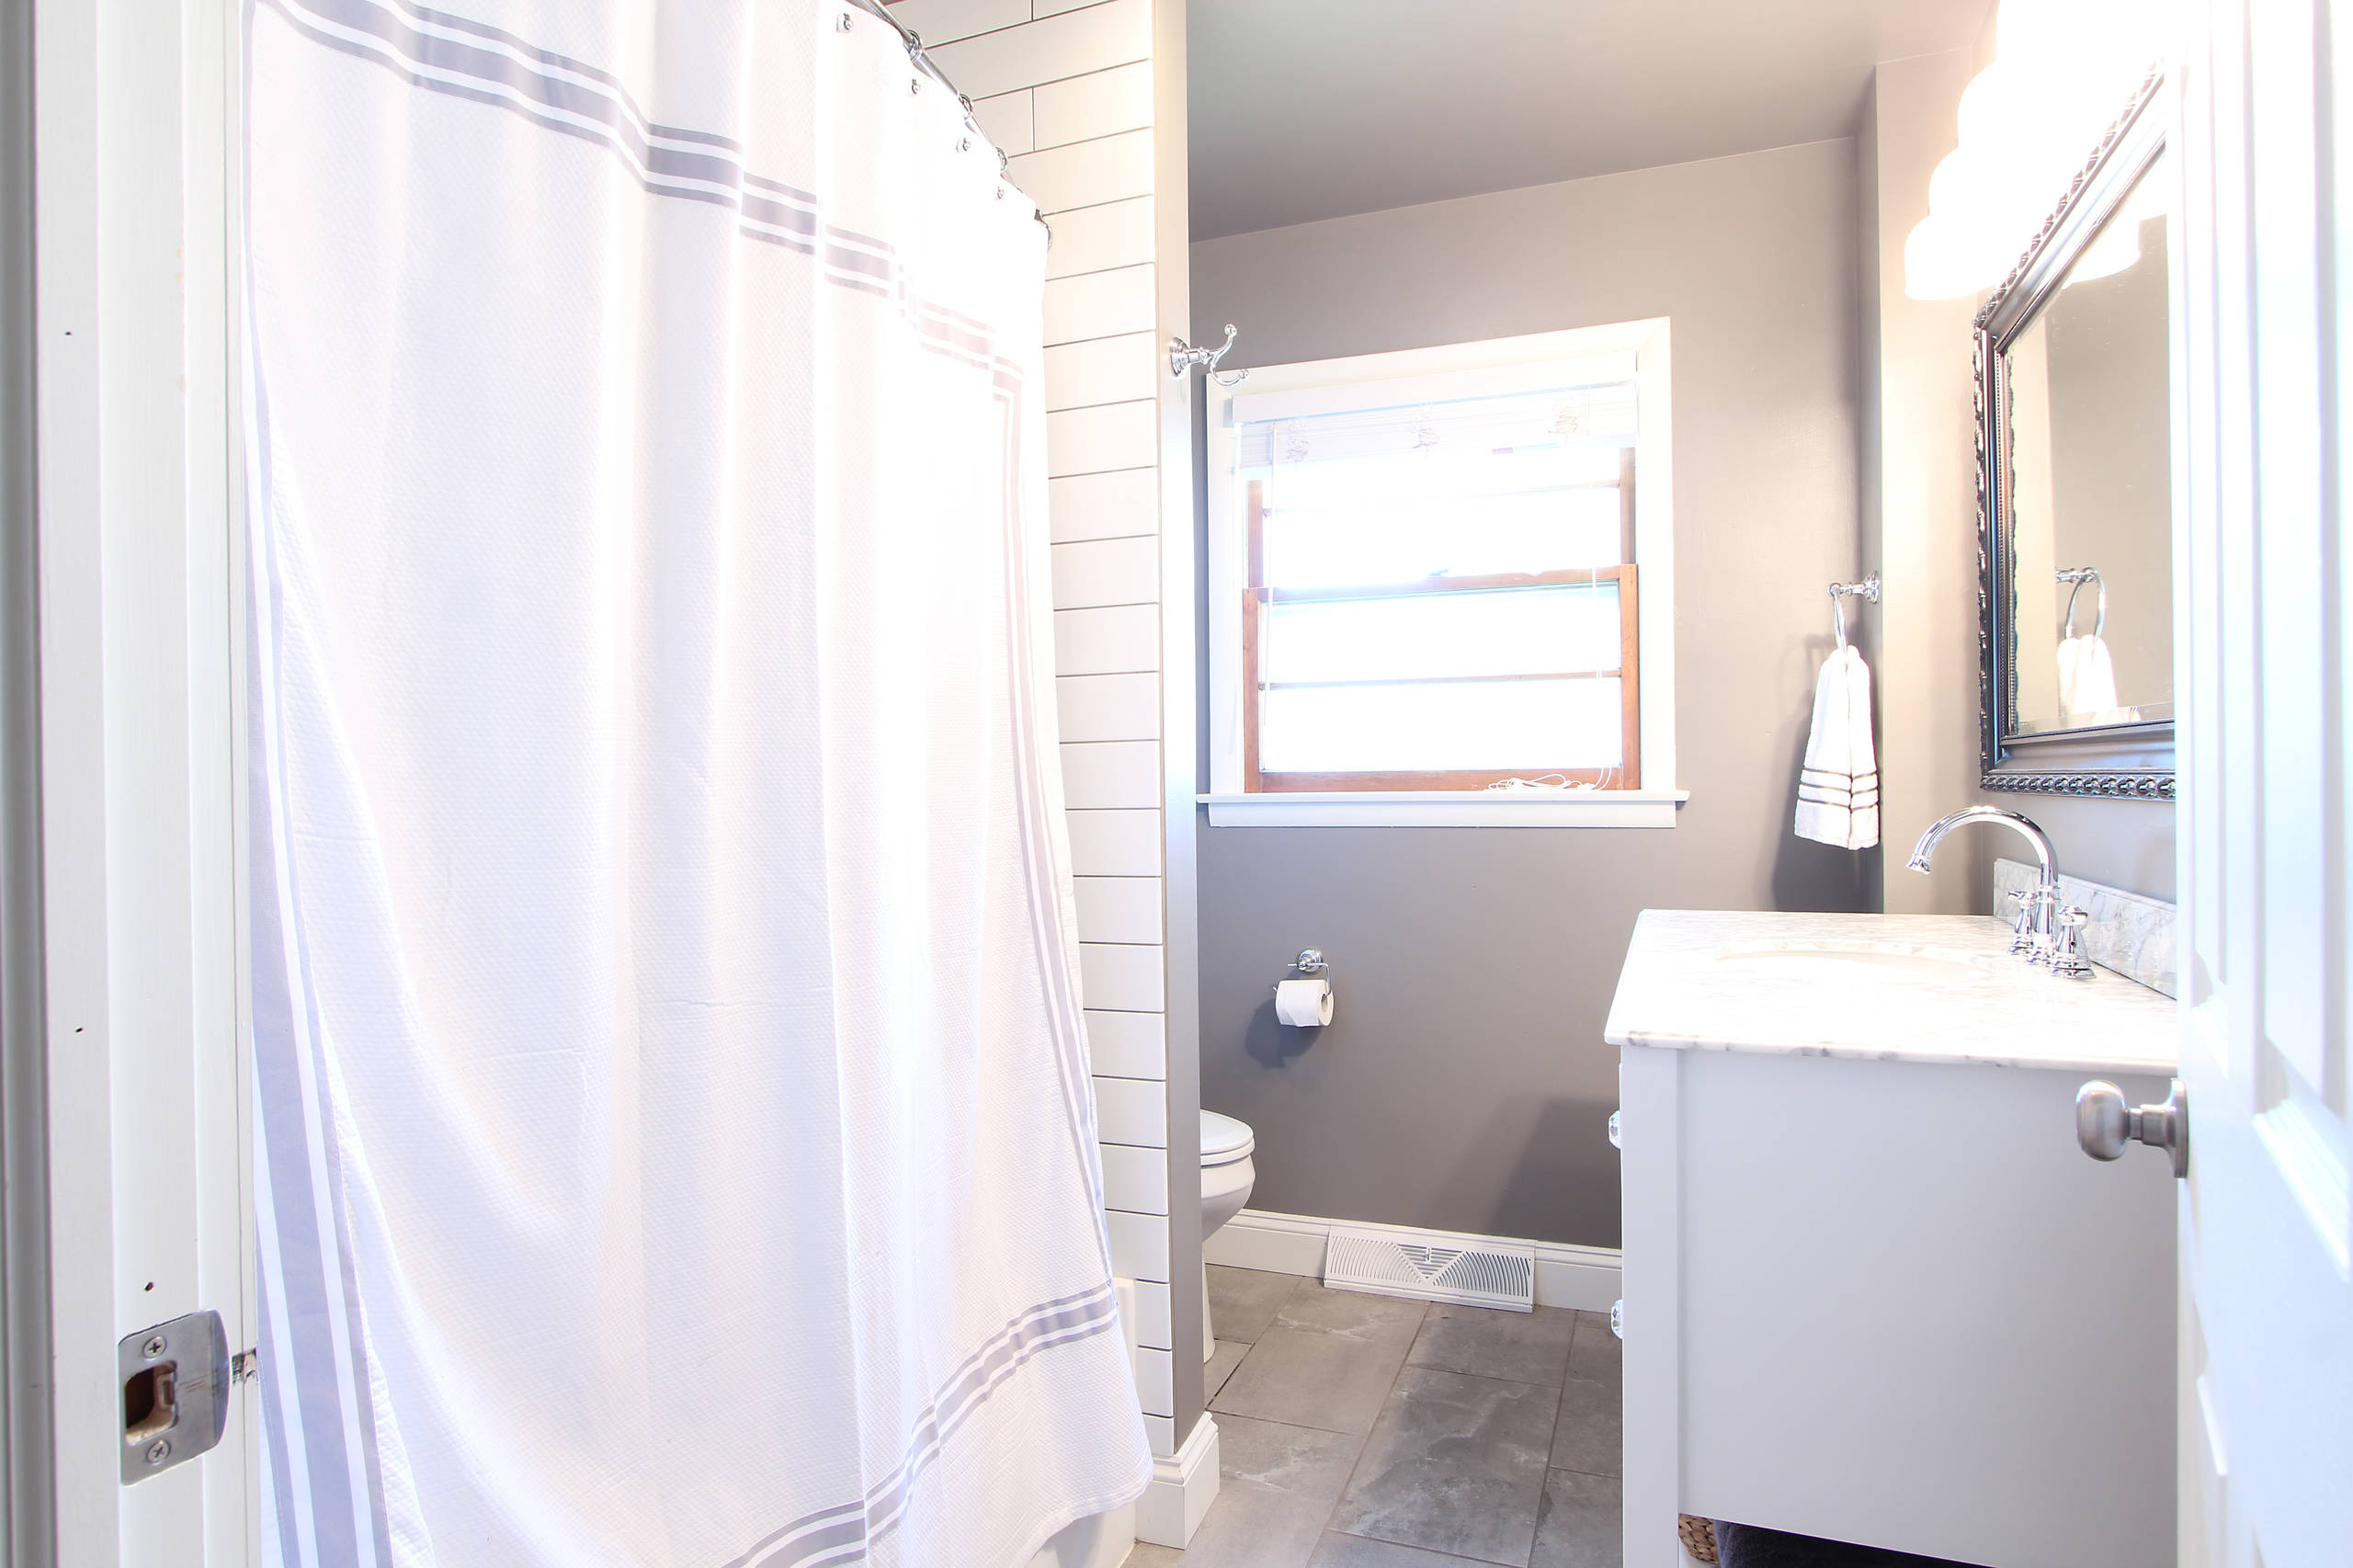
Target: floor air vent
x=1391 y=1263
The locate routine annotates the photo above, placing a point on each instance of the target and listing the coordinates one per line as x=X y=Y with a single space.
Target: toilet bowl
x=1227 y=1175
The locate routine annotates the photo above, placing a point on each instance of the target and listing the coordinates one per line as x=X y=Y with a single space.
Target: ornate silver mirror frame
x=2119 y=761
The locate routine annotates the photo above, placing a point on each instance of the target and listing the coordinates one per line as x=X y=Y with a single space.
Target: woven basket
x=1698 y=1538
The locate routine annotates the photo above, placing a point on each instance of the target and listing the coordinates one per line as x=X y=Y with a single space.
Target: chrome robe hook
x=1183 y=357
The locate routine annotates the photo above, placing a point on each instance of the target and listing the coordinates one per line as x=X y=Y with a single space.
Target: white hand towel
x=2087 y=678
x=1839 y=789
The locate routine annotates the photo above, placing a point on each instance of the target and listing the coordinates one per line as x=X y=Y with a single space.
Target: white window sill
x=1449 y=808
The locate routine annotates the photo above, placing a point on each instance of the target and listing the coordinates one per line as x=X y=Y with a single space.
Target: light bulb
x=2026 y=123
x=1944 y=260
x=2118 y=248
x=1985 y=103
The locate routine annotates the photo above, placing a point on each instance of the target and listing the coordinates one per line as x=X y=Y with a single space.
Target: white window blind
x=1442 y=592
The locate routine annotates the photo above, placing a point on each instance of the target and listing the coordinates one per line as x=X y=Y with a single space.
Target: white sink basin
x=1845 y=963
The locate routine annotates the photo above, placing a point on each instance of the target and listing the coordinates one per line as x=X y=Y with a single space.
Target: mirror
x=2091 y=483
x=2076 y=496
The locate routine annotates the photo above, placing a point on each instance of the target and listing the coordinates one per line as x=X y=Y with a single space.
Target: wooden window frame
x=1257 y=597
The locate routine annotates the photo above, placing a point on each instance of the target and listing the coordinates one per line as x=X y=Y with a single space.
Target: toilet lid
x=1224 y=1140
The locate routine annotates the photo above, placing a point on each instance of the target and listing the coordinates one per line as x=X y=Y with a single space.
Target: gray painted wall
x=1464 y=1084
x=1920 y=503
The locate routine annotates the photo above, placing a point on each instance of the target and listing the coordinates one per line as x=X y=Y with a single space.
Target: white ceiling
x=1303 y=109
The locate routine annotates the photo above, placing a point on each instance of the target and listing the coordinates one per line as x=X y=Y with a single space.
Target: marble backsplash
x=2128 y=933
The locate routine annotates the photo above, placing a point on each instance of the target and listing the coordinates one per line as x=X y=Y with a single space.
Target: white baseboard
x=1183 y=1486
x=1278 y=1244
x=1566 y=1275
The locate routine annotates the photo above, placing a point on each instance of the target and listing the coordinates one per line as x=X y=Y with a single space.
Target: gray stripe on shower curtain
x=320 y=1388
x=1042 y=1327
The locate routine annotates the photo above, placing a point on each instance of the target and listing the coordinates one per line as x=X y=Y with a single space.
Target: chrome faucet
x=2044 y=934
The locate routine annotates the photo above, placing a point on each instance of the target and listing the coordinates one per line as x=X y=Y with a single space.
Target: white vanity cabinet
x=1873 y=1290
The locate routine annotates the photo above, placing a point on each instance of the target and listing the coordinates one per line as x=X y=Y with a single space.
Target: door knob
x=2105 y=1124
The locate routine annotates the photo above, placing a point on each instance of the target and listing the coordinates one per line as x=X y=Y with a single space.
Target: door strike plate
x=173 y=1383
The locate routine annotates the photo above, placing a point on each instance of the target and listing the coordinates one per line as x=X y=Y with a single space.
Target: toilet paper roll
x=1304 y=1003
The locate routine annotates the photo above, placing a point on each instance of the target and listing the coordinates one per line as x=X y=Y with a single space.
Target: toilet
x=1227 y=1175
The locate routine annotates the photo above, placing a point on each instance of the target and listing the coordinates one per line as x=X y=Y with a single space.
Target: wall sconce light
x=2028 y=121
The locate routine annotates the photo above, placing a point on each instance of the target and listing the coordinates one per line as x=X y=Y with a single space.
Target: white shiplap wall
x=1067 y=90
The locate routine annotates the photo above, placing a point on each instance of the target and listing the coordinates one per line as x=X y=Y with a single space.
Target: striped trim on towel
x=1848 y=791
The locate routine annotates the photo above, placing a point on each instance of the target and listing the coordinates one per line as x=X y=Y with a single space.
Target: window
x=1438 y=566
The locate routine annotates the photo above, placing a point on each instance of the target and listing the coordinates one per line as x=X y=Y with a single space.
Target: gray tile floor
x=1361 y=1431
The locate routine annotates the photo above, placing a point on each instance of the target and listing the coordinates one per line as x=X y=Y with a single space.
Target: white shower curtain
x=674 y=1136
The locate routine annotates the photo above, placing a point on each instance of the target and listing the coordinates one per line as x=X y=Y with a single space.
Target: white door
x=148 y=1204
x=2266 y=660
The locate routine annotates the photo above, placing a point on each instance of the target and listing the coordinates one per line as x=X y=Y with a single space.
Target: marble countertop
x=1940 y=988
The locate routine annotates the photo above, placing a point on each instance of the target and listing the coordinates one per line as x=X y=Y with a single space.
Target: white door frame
x=24 y=1214
x=139 y=645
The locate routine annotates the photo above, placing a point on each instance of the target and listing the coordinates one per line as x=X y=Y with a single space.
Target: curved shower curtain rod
x=923 y=62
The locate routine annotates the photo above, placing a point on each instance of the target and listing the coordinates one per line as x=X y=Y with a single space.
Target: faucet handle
x=2024 y=937
x=2068 y=959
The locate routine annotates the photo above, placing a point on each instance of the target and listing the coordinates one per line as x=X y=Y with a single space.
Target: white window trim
x=1549 y=359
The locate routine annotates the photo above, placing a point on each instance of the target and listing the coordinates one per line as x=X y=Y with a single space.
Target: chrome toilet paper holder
x=1310 y=961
